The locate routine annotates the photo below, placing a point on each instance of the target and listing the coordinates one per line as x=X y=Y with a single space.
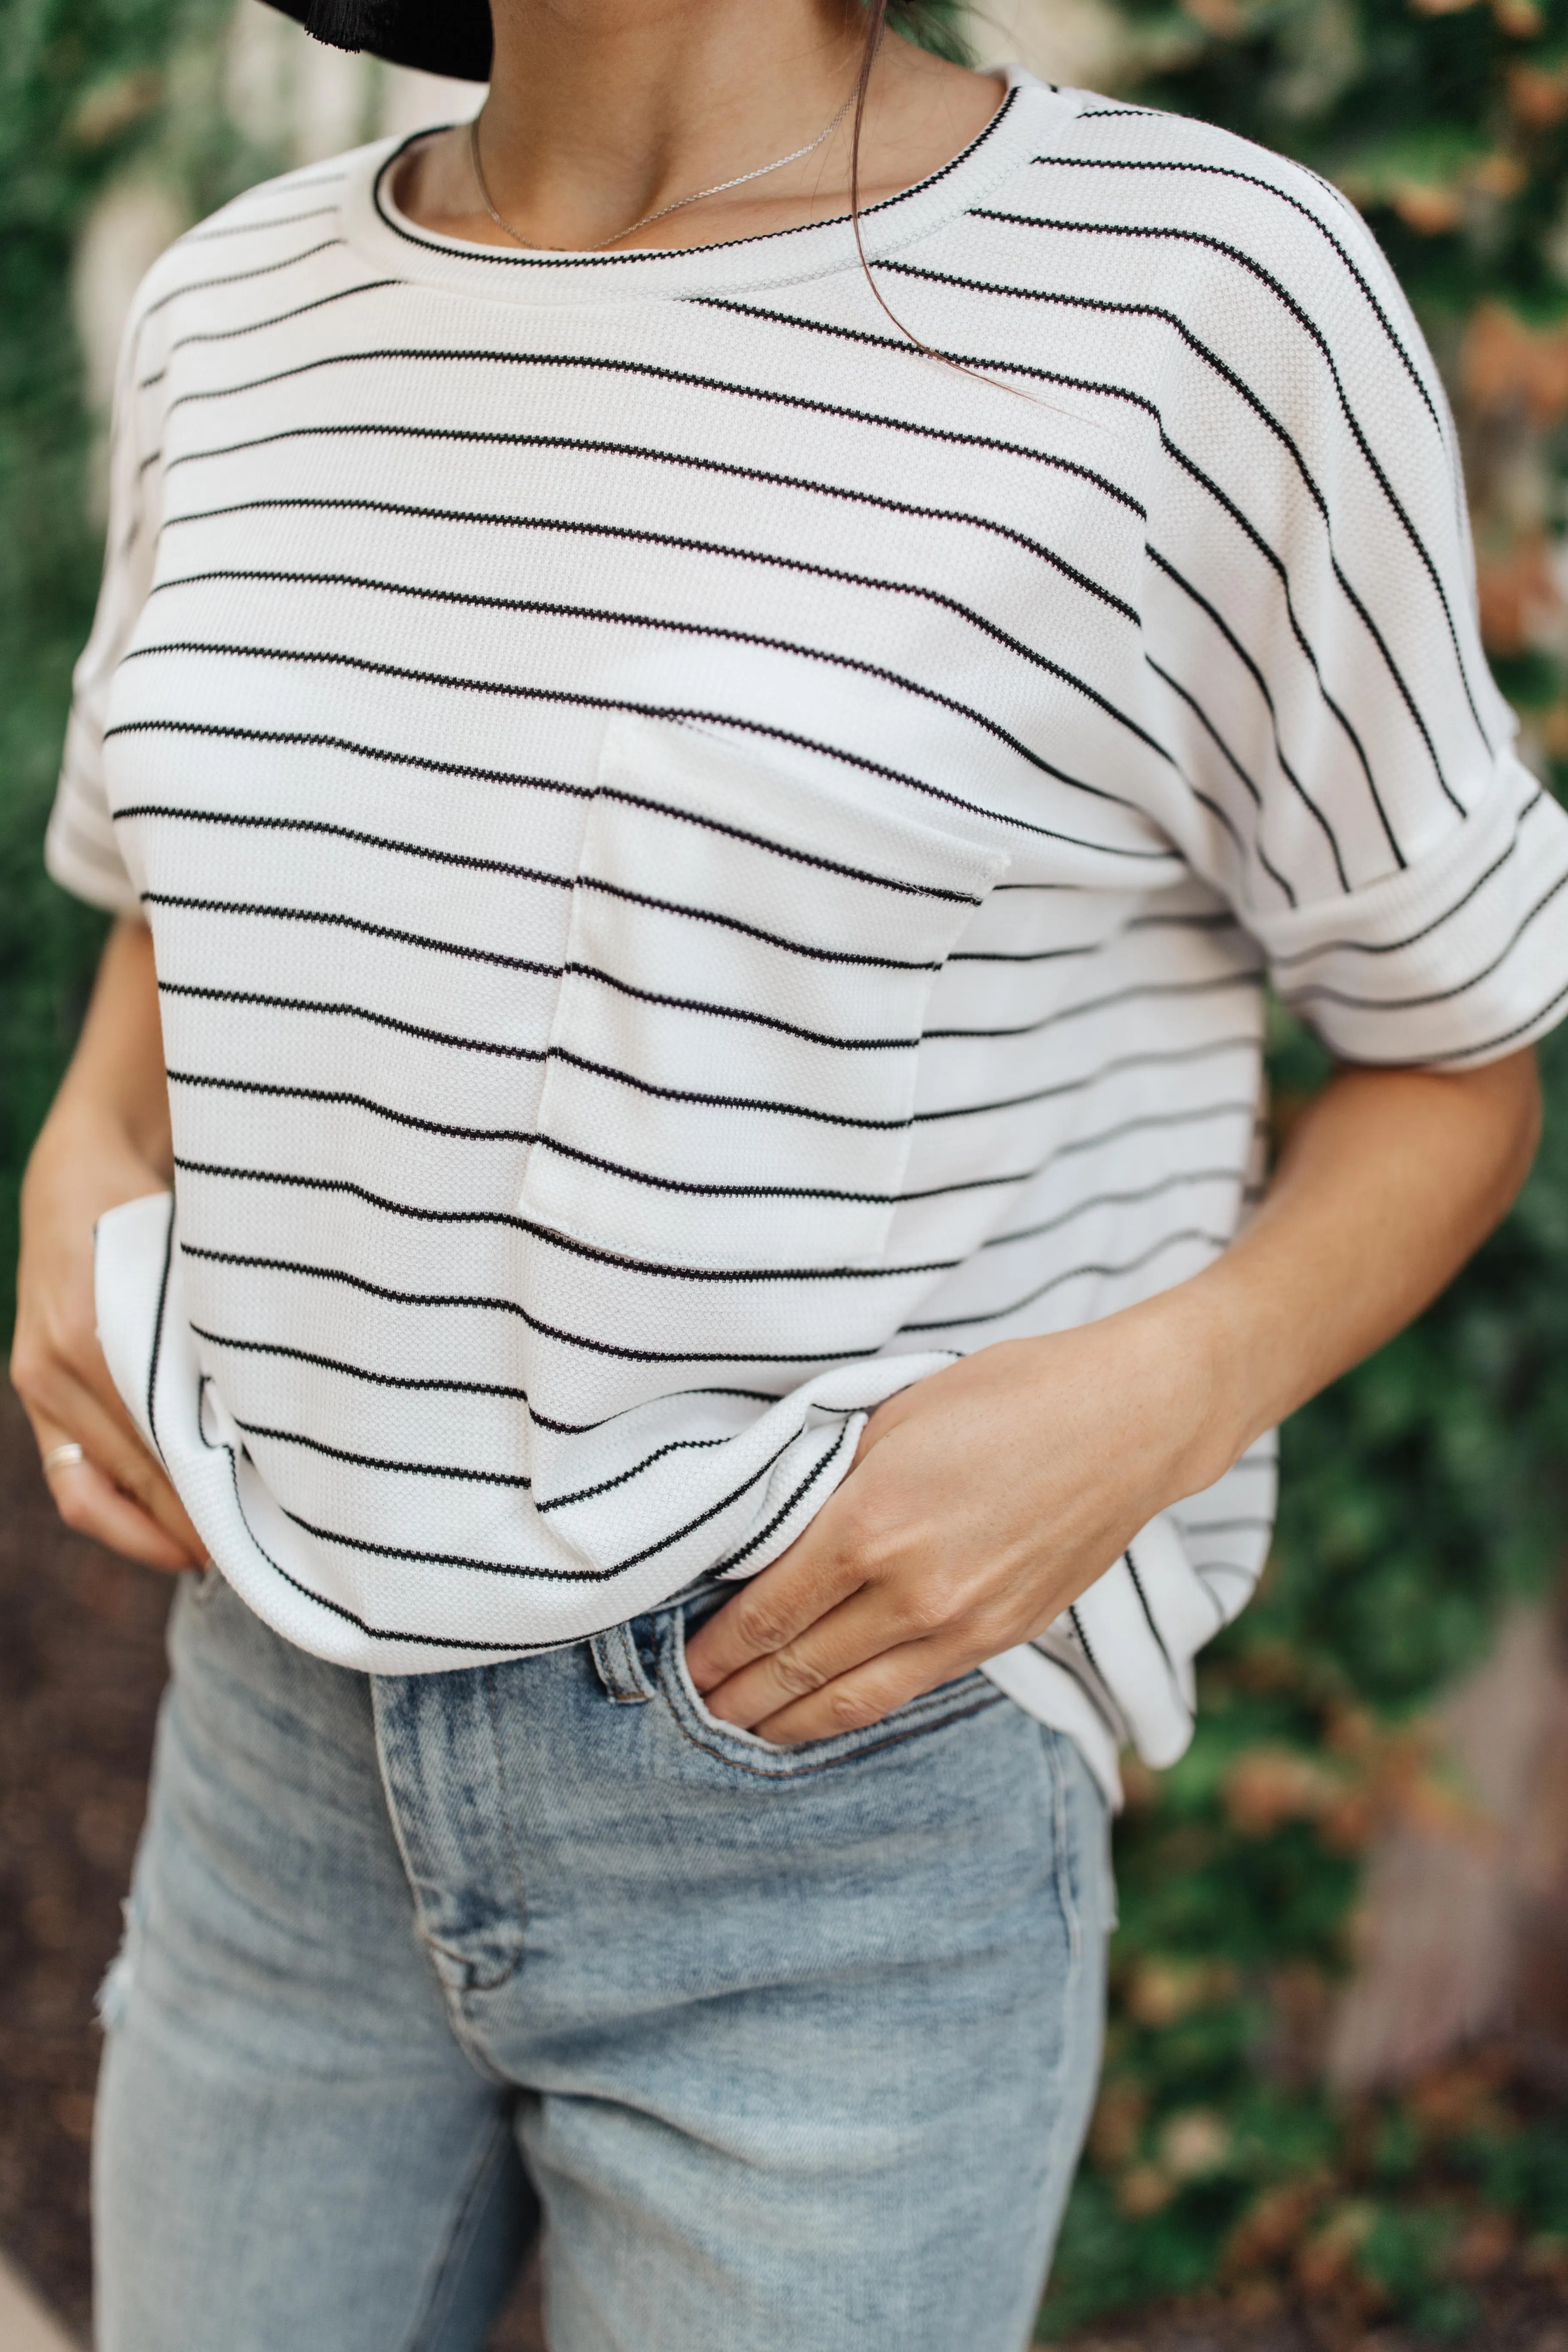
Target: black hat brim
x=437 y=37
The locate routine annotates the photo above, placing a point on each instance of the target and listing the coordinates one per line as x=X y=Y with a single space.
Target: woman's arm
x=986 y=1499
x=105 y=1140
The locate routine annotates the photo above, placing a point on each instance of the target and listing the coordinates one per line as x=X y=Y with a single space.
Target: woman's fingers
x=811 y=1577
x=866 y=1626
x=149 y=1520
x=865 y=1695
x=91 y=1504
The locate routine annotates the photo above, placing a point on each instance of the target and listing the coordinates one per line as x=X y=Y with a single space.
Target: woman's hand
x=103 y=1143
x=985 y=1499
x=982 y=1500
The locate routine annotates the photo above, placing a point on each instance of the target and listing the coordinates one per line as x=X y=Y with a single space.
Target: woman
x=711 y=700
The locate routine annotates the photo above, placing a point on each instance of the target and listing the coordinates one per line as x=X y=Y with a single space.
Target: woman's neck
x=603 y=112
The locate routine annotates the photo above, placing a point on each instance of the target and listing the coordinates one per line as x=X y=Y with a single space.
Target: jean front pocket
x=747 y=1751
x=732 y=1067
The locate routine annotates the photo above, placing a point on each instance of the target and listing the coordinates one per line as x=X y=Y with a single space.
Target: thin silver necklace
x=720 y=187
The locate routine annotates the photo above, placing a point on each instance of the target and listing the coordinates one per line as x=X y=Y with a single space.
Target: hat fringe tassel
x=343 y=23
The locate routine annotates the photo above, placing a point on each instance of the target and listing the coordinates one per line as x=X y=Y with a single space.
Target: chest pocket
x=731 y=1069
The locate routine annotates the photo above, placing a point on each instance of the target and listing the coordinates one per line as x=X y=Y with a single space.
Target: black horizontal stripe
x=335 y=920
x=352 y=1013
x=493 y=864
x=710 y=824
x=1028 y=955
x=804 y=948
x=712 y=1511
x=1320 y=992
x=972 y=363
x=1413 y=938
x=1075 y=1274
x=683 y=460
x=1167 y=989
x=511 y=1307
x=256 y=326
x=254 y=227
x=1155 y=1119
x=724 y=1102
x=512 y=689
x=575 y=526
x=243 y=821
x=547 y=1575
x=1481 y=1047
x=623 y=1477
x=660 y=1270
x=379 y=1462
x=1163 y=919
x=298 y=1180
x=1281 y=195
x=703 y=1192
x=317 y=742
x=739 y=1012
x=375 y=1377
x=1095 y=1077
x=236 y=277
x=352 y=1617
x=798 y=649
x=276 y=1091
x=649 y=370
x=554 y=881
x=1179 y=1177
x=449 y=1559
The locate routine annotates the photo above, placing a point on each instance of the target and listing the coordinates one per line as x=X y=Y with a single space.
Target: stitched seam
x=519 y=1894
x=829 y=1763
x=457 y=2024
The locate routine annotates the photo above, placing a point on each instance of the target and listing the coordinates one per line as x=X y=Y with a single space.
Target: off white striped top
x=702 y=862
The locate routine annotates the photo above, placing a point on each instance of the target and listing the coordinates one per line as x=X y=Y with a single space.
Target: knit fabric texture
x=704 y=862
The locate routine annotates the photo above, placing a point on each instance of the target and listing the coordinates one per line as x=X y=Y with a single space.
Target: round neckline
x=1029 y=114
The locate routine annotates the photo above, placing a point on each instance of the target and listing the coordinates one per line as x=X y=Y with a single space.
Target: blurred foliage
x=1423 y=1491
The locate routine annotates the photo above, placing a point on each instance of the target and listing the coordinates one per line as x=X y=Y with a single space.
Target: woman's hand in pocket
x=981 y=1502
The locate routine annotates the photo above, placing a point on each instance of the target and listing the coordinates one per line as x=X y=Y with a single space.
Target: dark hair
x=932 y=24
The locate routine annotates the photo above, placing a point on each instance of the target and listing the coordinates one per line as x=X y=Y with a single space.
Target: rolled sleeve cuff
x=1459 y=959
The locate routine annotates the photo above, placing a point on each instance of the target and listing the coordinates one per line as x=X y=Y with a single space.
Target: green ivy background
x=1424 y=1493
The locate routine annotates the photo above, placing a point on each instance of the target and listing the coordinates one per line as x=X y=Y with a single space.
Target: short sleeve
x=1347 y=777
x=80 y=848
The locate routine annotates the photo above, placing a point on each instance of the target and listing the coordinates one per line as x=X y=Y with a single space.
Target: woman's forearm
x=116 y=1076
x=1390 y=1180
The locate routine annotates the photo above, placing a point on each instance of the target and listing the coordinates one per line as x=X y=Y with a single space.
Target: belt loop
x=619 y=1667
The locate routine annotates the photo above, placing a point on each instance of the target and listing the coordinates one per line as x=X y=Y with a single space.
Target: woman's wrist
x=1192 y=1343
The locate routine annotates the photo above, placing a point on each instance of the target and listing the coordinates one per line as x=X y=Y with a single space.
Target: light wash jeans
x=789 y=2050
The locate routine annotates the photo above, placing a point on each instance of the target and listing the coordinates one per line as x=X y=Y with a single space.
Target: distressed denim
x=779 y=2047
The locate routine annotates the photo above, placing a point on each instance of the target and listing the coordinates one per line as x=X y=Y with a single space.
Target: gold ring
x=63 y=1457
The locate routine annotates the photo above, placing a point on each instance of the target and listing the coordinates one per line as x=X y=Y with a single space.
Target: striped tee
x=704 y=862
